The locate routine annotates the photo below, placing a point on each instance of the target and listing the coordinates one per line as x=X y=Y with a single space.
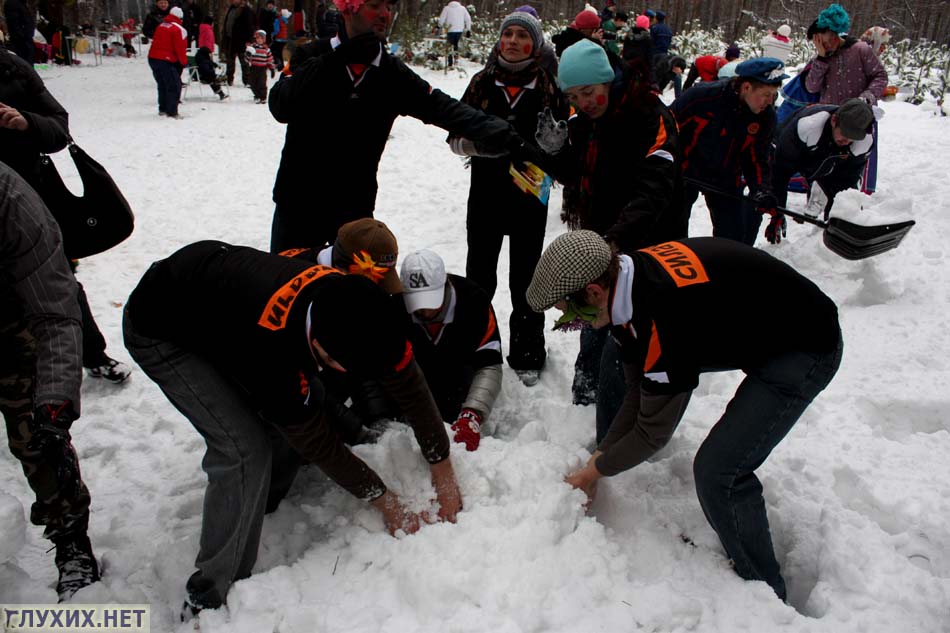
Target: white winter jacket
x=774 y=47
x=455 y=18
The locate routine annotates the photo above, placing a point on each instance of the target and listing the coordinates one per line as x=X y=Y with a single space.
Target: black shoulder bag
x=94 y=222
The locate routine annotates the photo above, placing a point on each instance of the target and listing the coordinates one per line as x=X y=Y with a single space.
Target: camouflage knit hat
x=569 y=263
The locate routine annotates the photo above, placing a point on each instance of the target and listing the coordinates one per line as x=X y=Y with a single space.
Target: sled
x=847 y=239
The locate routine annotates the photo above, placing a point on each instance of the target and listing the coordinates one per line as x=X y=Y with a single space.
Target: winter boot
x=76 y=564
x=111 y=370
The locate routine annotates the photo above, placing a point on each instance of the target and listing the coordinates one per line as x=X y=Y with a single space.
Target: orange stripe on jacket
x=274 y=316
x=406 y=357
x=654 y=350
x=492 y=325
x=660 y=139
x=679 y=262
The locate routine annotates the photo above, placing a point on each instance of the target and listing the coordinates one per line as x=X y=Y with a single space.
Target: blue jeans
x=598 y=376
x=765 y=407
x=250 y=466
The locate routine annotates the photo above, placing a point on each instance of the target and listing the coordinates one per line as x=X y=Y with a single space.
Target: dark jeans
x=93 y=343
x=62 y=499
x=525 y=327
x=258 y=79
x=598 y=376
x=732 y=219
x=311 y=227
x=236 y=53
x=765 y=407
x=453 y=39
x=250 y=466
x=168 y=77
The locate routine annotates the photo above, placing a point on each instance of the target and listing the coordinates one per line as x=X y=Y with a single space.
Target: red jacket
x=708 y=66
x=170 y=42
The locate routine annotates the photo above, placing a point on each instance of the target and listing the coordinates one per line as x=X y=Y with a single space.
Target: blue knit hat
x=835 y=19
x=526 y=21
x=584 y=64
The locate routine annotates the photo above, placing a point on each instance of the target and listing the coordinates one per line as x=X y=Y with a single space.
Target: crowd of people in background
x=424 y=345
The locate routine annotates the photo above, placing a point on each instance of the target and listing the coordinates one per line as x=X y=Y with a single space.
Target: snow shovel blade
x=853 y=241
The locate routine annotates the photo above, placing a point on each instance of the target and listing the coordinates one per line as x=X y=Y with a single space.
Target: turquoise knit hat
x=584 y=64
x=835 y=19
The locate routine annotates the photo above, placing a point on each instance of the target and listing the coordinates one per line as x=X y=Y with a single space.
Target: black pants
x=297 y=227
x=526 y=327
x=258 y=79
x=732 y=219
x=93 y=343
x=232 y=54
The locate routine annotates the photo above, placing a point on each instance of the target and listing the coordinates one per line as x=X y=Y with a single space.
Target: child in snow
x=207 y=71
x=260 y=60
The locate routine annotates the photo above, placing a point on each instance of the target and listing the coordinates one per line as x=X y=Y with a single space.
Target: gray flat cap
x=569 y=263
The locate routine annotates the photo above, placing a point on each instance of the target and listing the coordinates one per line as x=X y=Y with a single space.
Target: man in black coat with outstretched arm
x=339 y=106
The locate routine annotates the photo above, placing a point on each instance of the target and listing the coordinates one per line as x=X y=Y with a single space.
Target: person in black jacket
x=237 y=31
x=20 y=27
x=236 y=339
x=680 y=308
x=155 y=17
x=40 y=375
x=621 y=165
x=513 y=87
x=829 y=145
x=32 y=123
x=727 y=129
x=339 y=106
x=193 y=17
x=454 y=335
x=266 y=16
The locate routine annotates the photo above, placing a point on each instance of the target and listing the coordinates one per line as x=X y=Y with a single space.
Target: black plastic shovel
x=847 y=239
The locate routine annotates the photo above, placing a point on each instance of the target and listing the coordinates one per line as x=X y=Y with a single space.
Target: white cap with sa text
x=423 y=280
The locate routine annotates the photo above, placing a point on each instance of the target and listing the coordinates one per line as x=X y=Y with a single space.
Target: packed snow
x=858 y=494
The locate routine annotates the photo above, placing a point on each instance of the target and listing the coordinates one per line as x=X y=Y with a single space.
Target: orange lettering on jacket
x=679 y=262
x=278 y=307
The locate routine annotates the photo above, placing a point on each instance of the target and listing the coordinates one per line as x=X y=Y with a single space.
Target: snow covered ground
x=858 y=494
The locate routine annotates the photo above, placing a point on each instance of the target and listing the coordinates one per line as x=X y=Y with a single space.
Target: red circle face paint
x=601 y=100
x=527 y=50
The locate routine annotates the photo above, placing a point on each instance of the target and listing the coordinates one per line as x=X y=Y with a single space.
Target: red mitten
x=467 y=429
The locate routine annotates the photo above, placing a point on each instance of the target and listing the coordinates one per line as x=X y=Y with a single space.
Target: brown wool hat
x=367 y=247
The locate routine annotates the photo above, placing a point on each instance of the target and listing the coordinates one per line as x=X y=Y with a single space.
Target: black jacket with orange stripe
x=467 y=342
x=695 y=305
x=623 y=167
x=245 y=312
x=721 y=138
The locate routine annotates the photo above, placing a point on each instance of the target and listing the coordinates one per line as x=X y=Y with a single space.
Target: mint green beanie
x=583 y=64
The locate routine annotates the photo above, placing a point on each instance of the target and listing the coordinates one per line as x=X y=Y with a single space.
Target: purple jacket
x=851 y=71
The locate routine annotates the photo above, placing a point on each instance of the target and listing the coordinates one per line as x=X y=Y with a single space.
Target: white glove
x=550 y=133
x=817 y=200
x=250 y=50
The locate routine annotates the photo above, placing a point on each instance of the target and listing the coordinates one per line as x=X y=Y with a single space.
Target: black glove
x=764 y=201
x=776 y=228
x=550 y=134
x=468 y=34
x=361 y=49
x=523 y=152
x=272 y=73
x=49 y=436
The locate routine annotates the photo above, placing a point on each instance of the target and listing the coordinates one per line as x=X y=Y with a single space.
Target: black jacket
x=493 y=195
x=622 y=168
x=805 y=145
x=337 y=129
x=20 y=26
x=696 y=307
x=243 y=24
x=152 y=21
x=245 y=312
x=48 y=131
x=720 y=138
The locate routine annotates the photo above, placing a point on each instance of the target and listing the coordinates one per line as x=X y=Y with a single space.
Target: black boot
x=76 y=564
